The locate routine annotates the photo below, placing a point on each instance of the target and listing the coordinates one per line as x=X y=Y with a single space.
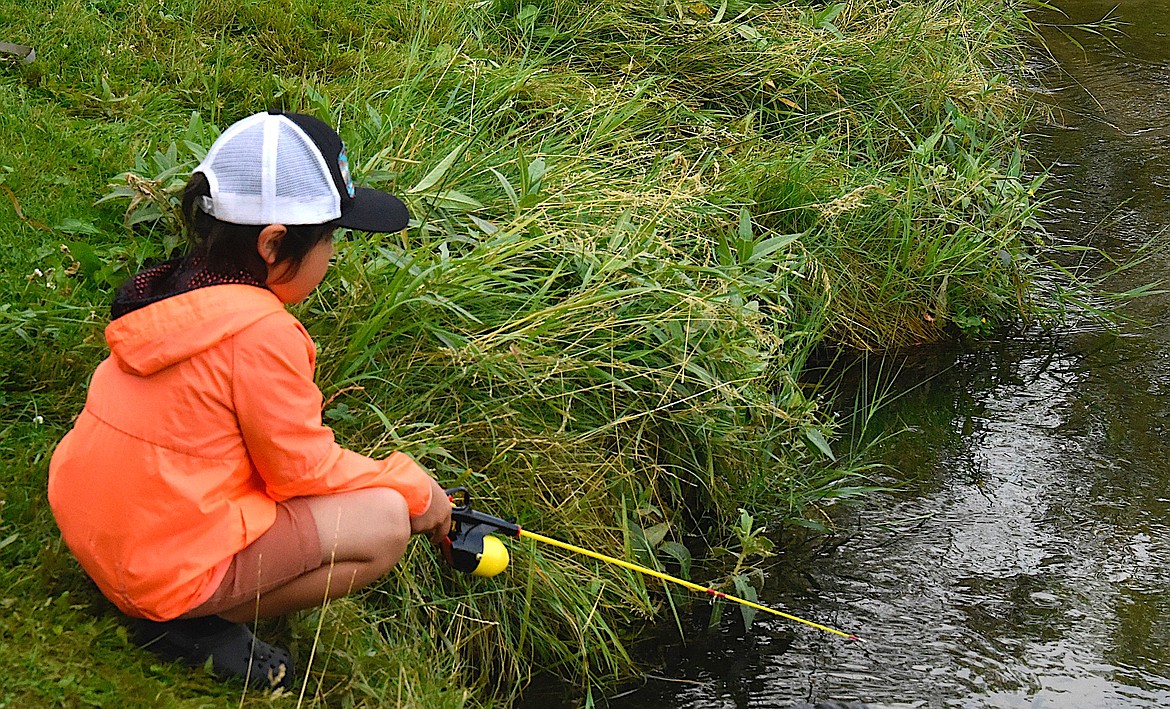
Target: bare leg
x=363 y=534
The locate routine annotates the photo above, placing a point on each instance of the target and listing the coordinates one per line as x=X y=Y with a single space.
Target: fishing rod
x=472 y=548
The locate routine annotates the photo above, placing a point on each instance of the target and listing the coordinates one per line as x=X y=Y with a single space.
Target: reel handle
x=463 y=517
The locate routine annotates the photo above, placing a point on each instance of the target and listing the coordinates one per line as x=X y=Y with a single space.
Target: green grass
x=634 y=223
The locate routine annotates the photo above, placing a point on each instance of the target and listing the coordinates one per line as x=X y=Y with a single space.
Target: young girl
x=199 y=488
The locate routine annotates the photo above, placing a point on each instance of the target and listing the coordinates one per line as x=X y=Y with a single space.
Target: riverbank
x=634 y=224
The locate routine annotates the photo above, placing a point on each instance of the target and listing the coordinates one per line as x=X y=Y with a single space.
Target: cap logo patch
x=343 y=163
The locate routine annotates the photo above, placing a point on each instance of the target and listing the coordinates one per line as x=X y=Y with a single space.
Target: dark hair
x=231 y=247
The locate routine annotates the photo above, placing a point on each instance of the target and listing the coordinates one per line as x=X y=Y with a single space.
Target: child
x=199 y=488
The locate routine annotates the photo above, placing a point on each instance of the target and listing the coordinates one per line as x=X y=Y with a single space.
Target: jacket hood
x=164 y=333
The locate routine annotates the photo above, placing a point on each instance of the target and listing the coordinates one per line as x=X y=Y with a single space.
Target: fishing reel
x=469 y=546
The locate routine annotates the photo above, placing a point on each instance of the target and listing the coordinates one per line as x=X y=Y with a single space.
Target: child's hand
x=436 y=521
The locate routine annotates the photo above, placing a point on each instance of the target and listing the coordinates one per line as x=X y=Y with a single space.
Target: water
x=1024 y=560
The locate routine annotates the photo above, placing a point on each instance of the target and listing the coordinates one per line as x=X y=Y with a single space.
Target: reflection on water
x=1025 y=561
x=1023 y=564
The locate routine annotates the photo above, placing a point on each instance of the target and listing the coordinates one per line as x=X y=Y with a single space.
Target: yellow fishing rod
x=472 y=548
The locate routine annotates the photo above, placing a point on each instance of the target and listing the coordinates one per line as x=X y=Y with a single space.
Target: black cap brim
x=375 y=211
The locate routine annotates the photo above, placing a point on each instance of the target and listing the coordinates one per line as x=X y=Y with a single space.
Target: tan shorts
x=290 y=548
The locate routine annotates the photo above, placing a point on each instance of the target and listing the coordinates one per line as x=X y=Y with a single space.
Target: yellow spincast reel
x=494 y=558
x=470 y=547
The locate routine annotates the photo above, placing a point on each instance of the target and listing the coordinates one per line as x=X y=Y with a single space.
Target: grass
x=633 y=224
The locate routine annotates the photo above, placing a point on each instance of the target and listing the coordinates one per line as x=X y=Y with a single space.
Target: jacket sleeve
x=279 y=410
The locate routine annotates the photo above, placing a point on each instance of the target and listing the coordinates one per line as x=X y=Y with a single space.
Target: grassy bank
x=634 y=223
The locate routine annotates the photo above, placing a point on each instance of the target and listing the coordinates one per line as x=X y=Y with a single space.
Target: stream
x=1022 y=560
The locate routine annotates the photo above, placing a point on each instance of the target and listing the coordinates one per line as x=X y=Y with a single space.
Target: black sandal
x=234 y=651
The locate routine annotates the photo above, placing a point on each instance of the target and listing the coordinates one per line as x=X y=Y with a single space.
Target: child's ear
x=268 y=242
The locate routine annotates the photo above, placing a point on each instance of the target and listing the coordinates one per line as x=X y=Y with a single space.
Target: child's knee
x=393 y=505
x=388 y=515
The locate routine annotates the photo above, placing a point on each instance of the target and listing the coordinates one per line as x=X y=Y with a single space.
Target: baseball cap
x=291 y=169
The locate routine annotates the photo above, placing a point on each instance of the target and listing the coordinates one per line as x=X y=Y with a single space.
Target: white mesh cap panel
x=265 y=170
x=235 y=169
x=304 y=187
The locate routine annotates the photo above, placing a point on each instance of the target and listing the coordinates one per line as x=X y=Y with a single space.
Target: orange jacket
x=204 y=416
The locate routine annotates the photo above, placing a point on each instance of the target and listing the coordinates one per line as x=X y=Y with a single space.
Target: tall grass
x=633 y=223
